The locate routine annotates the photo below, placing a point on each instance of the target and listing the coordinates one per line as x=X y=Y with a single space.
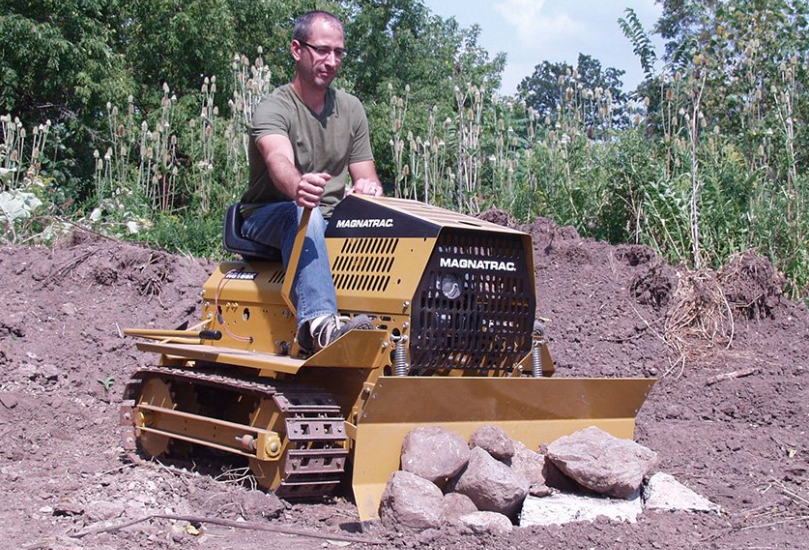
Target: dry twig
x=701 y=312
x=227 y=523
x=60 y=272
x=731 y=375
x=796 y=510
x=237 y=476
x=86 y=229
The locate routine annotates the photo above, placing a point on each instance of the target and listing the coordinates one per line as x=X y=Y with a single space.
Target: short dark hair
x=303 y=24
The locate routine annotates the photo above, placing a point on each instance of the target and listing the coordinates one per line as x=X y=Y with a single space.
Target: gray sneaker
x=330 y=330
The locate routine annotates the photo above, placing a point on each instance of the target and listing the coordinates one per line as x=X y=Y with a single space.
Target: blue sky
x=533 y=31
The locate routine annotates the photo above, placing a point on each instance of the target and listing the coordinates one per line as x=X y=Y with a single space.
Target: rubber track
x=316 y=453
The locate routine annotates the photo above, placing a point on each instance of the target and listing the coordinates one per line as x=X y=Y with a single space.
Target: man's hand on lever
x=310 y=188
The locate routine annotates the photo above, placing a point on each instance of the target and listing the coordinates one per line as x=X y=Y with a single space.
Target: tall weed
x=672 y=178
x=669 y=172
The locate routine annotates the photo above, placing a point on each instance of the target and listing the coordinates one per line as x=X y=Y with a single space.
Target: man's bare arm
x=304 y=189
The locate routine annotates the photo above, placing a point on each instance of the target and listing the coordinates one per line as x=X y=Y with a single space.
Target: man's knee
x=317 y=225
x=271 y=223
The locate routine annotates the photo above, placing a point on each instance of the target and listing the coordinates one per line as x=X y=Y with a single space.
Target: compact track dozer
x=455 y=344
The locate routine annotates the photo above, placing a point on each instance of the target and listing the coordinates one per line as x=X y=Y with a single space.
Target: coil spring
x=536 y=358
x=400 y=367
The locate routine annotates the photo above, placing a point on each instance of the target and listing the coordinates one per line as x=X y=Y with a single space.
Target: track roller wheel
x=178 y=396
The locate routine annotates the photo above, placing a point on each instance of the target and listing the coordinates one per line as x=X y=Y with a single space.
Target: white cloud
x=536 y=28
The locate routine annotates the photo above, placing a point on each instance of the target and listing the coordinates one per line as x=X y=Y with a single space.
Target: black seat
x=234 y=242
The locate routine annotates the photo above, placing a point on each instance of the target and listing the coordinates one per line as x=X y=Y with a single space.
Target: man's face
x=318 y=58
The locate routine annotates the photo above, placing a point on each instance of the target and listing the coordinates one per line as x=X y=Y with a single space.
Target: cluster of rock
x=492 y=482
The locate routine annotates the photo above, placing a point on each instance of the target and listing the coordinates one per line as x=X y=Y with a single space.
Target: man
x=306 y=137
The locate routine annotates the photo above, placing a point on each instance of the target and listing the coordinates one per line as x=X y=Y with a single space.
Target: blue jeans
x=313 y=288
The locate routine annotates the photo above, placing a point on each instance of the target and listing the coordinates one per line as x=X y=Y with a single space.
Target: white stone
x=559 y=509
x=663 y=492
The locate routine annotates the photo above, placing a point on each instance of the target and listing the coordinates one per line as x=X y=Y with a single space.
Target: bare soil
x=728 y=415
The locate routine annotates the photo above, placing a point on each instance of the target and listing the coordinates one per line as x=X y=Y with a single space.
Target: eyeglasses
x=324 y=51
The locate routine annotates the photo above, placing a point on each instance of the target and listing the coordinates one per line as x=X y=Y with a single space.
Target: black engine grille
x=474 y=308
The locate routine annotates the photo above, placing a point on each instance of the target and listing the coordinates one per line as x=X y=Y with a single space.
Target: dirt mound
x=500 y=217
x=655 y=286
x=752 y=285
x=728 y=418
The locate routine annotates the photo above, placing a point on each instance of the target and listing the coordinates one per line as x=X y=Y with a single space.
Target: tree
x=57 y=58
x=180 y=43
x=557 y=89
x=398 y=45
x=110 y=70
x=641 y=43
x=681 y=22
x=751 y=56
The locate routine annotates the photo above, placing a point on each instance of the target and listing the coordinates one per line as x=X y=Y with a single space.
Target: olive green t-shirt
x=326 y=142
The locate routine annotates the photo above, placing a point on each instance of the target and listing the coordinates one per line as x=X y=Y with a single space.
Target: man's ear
x=295 y=49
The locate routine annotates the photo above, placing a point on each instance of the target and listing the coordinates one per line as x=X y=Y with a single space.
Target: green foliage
x=59 y=63
x=641 y=43
x=440 y=57
x=58 y=59
x=735 y=83
x=710 y=166
x=556 y=89
x=106 y=382
x=192 y=233
x=380 y=35
x=177 y=43
x=132 y=118
x=181 y=43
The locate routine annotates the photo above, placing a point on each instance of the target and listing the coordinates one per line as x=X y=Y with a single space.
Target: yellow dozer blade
x=531 y=410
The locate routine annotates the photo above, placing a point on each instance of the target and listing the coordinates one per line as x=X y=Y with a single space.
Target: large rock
x=493 y=440
x=528 y=464
x=663 y=492
x=560 y=508
x=492 y=486
x=556 y=478
x=259 y=504
x=601 y=462
x=434 y=453
x=490 y=523
x=457 y=505
x=411 y=501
